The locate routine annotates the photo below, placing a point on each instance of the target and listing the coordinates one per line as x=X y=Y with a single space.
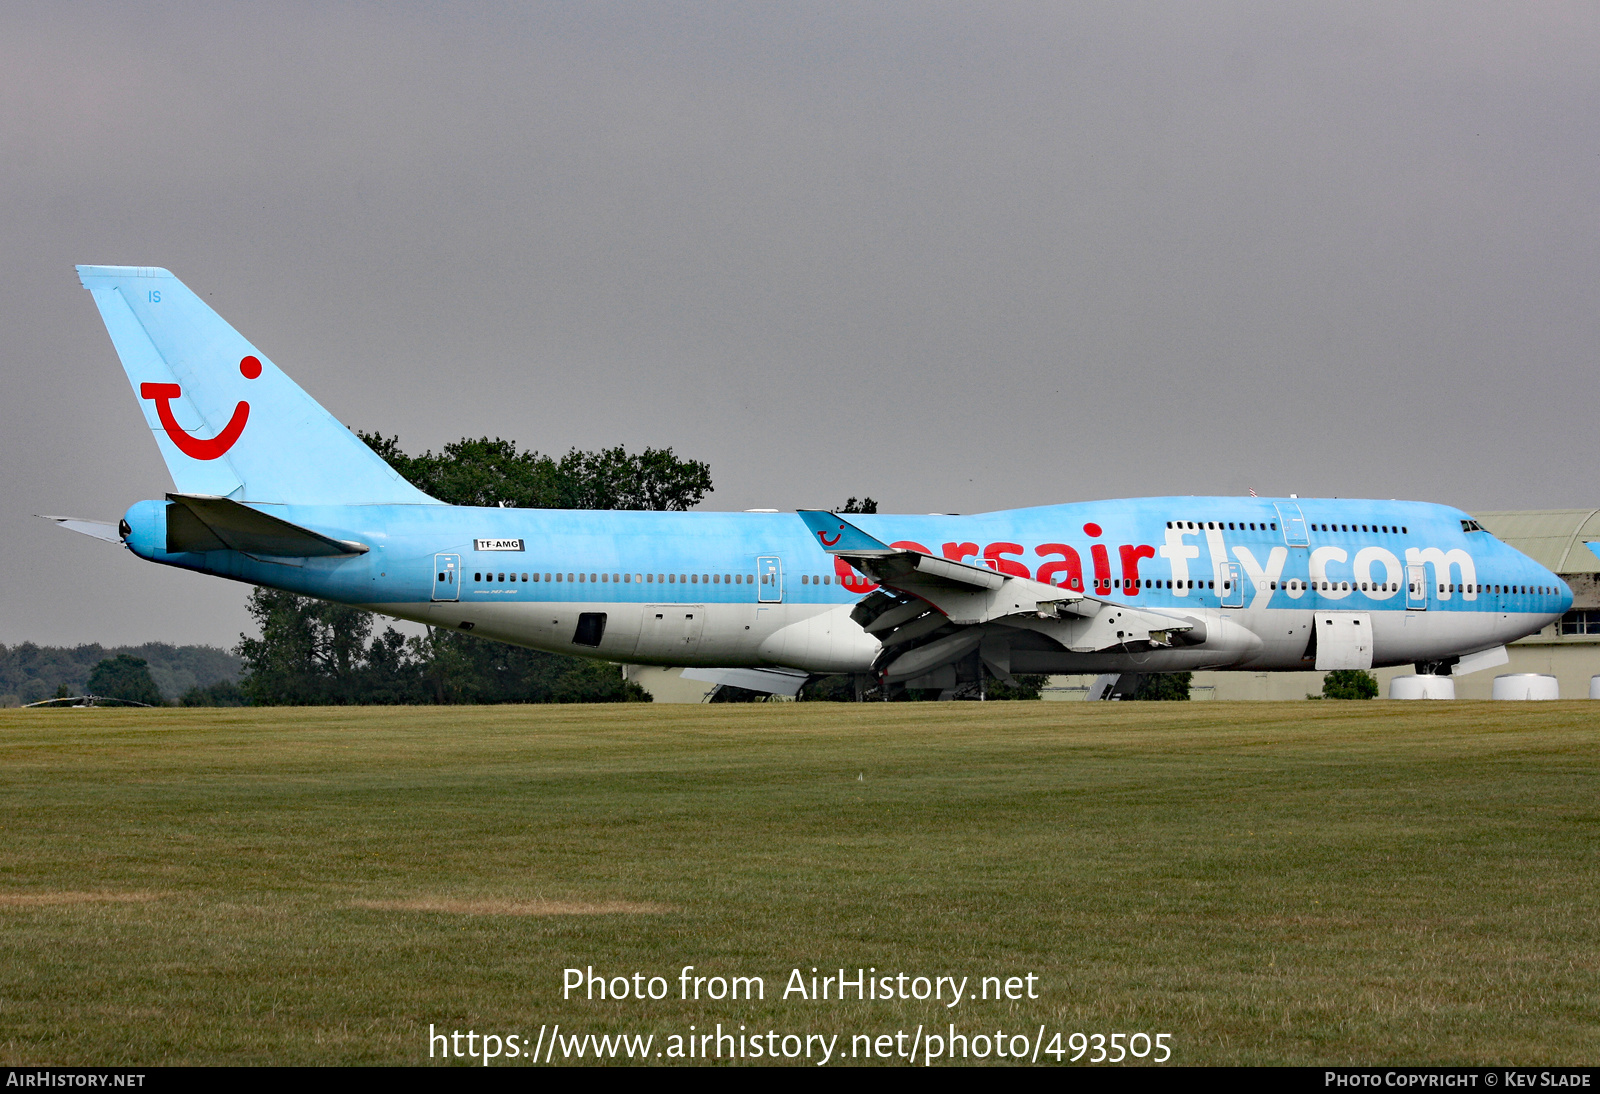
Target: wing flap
x=771 y=681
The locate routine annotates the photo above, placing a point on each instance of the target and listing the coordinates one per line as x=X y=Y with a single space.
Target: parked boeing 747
x=270 y=489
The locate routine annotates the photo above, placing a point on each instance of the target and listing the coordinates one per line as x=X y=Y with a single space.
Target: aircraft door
x=1230 y=582
x=447 y=577
x=671 y=630
x=770 y=591
x=1293 y=523
x=1417 y=588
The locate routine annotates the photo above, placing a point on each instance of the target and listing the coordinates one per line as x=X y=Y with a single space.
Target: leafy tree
x=485 y=472
x=1026 y=687
x=1349 y=684
x=124 y=677
x=865 y=505
x=827 y=689
x=29 y=672
x=1164 y=686
x=309 y=652
x=315 y=652
x=225 y=693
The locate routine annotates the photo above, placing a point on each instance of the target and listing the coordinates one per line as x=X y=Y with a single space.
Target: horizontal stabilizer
x=99 y=529
x=771 y=681
x=197 y=522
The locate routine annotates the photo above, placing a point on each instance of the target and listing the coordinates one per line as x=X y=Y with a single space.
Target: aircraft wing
x=964 y=593
x=933 y=611
x=772 y=681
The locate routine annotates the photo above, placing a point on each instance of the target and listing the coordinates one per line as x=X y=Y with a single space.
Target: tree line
x=311 y=652
x=30 y=672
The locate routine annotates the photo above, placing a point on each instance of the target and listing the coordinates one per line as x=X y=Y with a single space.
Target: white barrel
x=1594 y=687
x=1422 y=687
x=1526 y=685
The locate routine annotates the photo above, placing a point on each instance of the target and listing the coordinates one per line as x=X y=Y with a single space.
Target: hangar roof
x=1554 y=538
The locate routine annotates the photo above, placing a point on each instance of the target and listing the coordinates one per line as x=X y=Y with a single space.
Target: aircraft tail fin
x=228 y=422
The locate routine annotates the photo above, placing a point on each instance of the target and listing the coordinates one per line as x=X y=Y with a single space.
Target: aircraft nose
x=1565 y=590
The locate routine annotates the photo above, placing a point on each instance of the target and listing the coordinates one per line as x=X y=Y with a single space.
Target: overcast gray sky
x=958 y=257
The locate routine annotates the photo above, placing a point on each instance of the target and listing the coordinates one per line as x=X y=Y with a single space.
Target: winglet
x=839 y=537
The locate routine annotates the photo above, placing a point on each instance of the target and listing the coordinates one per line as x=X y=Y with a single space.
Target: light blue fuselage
x=1289 y=559
x=262 y=472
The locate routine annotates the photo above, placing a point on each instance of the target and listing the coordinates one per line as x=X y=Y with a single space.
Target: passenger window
x=805 y=580
x=672 y=579
x=477 y=577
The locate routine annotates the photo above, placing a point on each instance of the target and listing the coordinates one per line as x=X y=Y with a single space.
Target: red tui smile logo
x=826 y=542
x=201 y=448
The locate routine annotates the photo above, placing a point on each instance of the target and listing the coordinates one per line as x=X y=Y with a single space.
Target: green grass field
x=1300 y=883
